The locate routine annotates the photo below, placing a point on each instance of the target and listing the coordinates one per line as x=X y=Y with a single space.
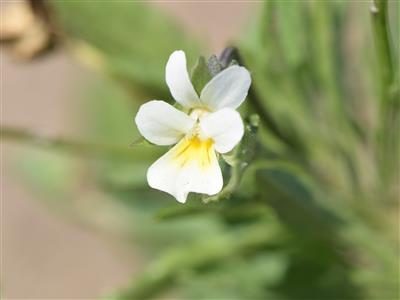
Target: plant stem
x=63 y=144
x=389 y=91
x=382 y=41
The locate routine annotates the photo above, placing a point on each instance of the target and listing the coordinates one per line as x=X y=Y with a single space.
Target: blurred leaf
x=197 y=257
x=249 y=278
x=294 y=203
x=47 y=172
x=317 y=266
x=134 y=39
x=293 y=42
x=187 y=210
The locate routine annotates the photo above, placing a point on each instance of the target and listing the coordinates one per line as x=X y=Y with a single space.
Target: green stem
x=77 y=147
x=389 y=90
x=383 y=49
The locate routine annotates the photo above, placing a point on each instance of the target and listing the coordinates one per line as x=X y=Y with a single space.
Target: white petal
x=190 y=166
x=161 y=123
x=225 y=127
x=178 y=80
x=228 y=89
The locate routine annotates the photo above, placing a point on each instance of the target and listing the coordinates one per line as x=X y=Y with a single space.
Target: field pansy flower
x=210 y=126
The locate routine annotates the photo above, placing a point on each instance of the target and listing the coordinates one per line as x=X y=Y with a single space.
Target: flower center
x=194 y=150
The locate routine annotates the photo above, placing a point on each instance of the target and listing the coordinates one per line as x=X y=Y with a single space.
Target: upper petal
x=161 y=123
x=190 y=166
x=225 y=127
x=178 y=80
x=228 y=89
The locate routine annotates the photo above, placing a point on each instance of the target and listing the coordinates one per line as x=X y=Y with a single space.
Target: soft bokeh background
x=310 y=205
x=46 y=255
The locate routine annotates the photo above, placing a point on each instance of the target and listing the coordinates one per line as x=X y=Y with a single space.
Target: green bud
x=214 y=65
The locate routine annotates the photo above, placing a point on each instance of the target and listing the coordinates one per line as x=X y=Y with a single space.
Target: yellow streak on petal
x=194 y=150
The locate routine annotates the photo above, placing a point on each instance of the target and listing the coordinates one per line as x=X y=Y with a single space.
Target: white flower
x=211 y=125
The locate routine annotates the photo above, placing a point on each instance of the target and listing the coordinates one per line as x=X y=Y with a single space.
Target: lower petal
x=190 y=166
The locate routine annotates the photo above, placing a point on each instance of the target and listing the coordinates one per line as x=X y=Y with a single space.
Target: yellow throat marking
x=196 y=150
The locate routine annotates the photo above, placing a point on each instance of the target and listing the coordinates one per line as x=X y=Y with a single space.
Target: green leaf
x=294 y=203
x=246 y=278
x=166 y=271
x=200 y=75
x=318 y=260
x=293 y=42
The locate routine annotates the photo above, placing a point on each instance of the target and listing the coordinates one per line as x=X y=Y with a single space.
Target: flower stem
x=389 y=90
x=63 y=144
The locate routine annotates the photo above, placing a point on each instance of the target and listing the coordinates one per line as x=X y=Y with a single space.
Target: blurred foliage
x=134 y=41
x=314 y=212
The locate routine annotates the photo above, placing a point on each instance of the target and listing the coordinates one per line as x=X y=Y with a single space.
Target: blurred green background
x=312 y=211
